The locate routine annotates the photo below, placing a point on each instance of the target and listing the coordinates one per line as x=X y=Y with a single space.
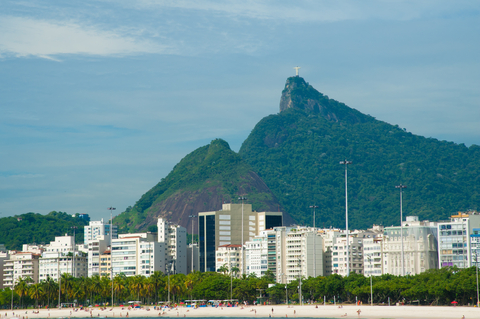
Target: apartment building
x=454 y=240
x=61 y=256
x=228 y=256
x=96 y=229
x=233 y=224
x=355 y=255
x=20 y=265
x=420 y=247
x=105 y=263
x=137 y=254
x=175 y=239
x=95 y=248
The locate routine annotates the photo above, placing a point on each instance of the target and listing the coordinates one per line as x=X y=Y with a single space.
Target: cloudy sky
x=100 y=99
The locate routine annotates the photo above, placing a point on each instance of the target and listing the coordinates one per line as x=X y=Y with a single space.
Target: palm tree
x=119 y=285
x=96 y=287
x=135 y=284
x=49 y=287
x=21 y=288
x=177 y=285
x=67 y=284
x=156 y=280
x=36 y=292
x=223 y=269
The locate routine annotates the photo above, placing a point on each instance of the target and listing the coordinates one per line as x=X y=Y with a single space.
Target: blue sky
x=100 y=99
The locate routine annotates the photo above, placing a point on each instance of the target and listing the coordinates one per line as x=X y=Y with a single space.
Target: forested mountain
x=297 y=153
x=36 y=228
x=200 y=182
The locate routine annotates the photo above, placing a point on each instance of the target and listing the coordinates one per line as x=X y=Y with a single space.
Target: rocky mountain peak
x=298 y=94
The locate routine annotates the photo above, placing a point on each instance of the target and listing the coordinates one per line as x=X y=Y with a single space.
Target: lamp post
x=111 y=209
x=300 y=284
x=401 y=187
x=371 y=285
x=314 y=240
x=59 y=282
x=193 y=220
x=476 y=273
x=346 y=163
x=73 y=257
x=242 y=198
x=13 y=282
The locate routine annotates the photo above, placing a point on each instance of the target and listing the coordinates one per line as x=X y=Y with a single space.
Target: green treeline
x=40 y=229
x=433 y=287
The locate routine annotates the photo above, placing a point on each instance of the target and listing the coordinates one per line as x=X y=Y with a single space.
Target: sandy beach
x=281 y=311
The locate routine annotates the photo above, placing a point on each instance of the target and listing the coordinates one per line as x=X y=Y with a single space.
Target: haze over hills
x=291 y=161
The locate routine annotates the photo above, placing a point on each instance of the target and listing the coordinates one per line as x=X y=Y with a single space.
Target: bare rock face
x=298 y=94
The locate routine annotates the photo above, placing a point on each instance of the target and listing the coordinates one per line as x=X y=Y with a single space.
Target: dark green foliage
x=212 y=167
x=297 y=153
x=36 y=228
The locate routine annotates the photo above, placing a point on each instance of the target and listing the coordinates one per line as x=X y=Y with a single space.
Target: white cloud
x=23 y=36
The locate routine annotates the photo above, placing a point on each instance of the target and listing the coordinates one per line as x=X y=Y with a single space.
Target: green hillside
x=36 y=228
x=201 y=181
x=297 y=153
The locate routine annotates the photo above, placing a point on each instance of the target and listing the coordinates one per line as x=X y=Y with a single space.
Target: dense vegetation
x=297 y=153
x=435 y=287
x=36 y=228
x=211 y=171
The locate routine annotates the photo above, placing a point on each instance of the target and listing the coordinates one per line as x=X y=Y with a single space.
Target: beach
x=279 y=311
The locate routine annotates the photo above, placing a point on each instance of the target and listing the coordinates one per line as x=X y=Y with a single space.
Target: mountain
x=36 y=228
x=200 y=182
x=297 y=153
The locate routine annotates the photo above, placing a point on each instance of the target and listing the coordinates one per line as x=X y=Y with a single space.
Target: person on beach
x=359 y=311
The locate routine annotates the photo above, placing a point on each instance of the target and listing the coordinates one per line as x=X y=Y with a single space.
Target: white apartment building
x=454 y=240
x=137 y=254
x=229 y=256
x=175 y=239
x=355 y=253
x=373 y=256
x=303 y=253
x=419 y=247
x=98 y=228
x=58 y=258
x=329 y=239
x=20 y=265
x=256 y=255
x=475 y=247
x=96 y=247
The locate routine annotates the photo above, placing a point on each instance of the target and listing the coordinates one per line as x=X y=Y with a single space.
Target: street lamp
x=111 y=209
x=73 y=258
x=345 y=162
x=300 y=285
x=401 y=187
x=371 y=285
x=314 y=240
x=13 y=281
x=242 y=198
x=193 y=220
x=476 y=273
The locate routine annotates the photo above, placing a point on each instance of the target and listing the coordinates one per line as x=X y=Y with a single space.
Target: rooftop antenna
x=296 y=70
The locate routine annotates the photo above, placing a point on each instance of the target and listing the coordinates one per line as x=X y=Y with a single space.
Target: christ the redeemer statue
x=296 y=70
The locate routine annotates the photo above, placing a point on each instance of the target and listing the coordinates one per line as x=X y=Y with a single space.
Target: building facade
x=233 y=224
x=175 y=239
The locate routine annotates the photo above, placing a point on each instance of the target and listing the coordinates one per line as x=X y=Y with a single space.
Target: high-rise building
x=97 y=228
x=175 y=239
x=226 y=227
x=454 y=236
x=195 y=266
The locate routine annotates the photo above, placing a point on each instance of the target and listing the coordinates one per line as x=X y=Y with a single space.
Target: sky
x=100 y=99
